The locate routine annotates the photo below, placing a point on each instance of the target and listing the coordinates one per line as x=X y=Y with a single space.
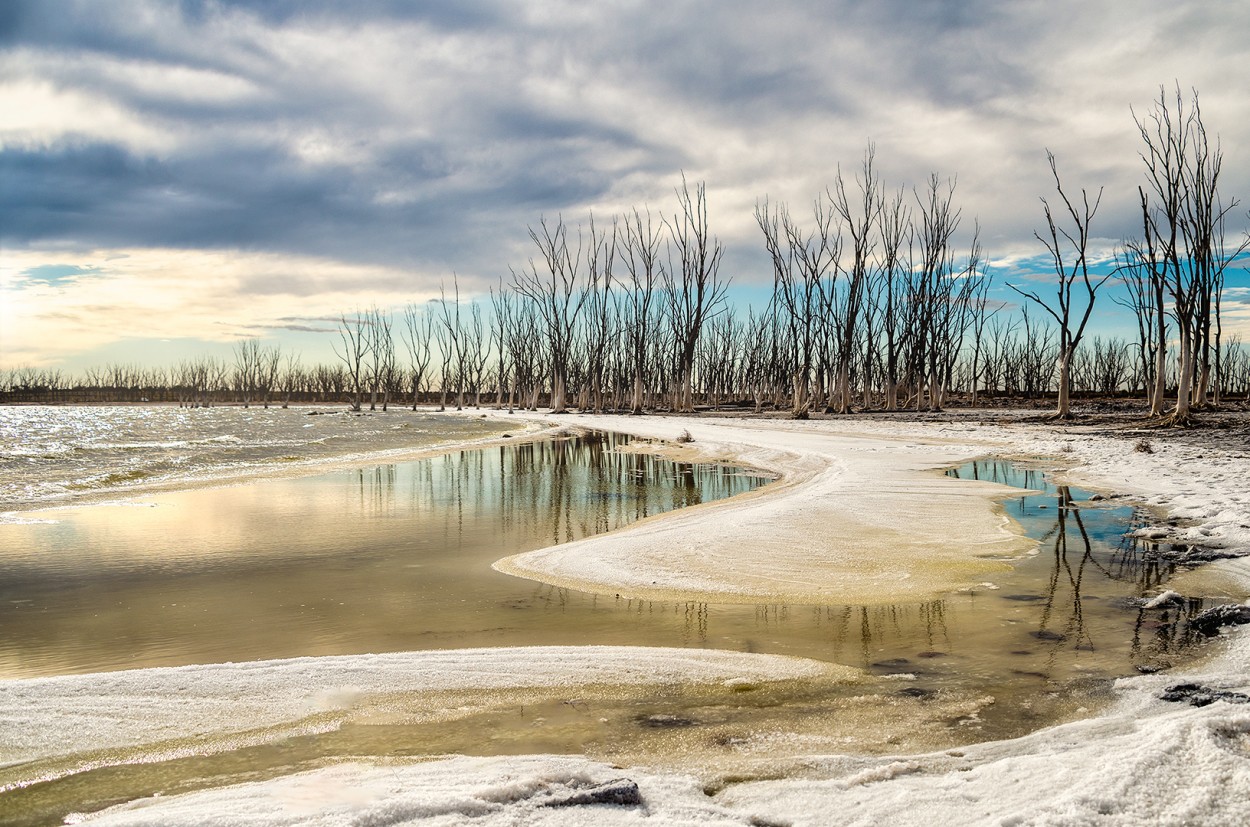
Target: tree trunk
x=1184 y=377
x=635 y=405
x=1159 y=389
x=1065 y=385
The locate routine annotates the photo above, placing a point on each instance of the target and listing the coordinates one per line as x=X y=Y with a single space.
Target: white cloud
x=39 y=115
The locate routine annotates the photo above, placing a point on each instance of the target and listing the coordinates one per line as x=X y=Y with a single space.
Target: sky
x=177 y=176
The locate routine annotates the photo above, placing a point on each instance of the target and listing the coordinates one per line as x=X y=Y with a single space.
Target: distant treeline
x=1016 y=367
x=872 y=307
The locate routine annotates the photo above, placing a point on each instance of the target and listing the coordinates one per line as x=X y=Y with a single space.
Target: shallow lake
x=397 y=557
x=389 y=558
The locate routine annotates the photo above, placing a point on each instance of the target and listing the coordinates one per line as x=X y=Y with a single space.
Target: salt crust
x=855 y=519
x=861 y=516
x=1143 y=761
x=44 y=717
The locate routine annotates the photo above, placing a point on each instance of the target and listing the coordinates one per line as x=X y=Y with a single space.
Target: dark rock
x=917 y=692
x=1198 y=695
x=1195 y=554
x=1023 y=598
x=619 y=791
x=931 y=654
x=1047 y=634
x=663 y=721
x=892 y=665
x=760 y=821
x=1230 y=614
x=1149 y=668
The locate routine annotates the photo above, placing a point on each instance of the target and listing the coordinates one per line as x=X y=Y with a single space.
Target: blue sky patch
x=58 y=273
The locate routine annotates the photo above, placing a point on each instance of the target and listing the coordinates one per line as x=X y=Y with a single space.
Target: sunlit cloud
x=162 y=293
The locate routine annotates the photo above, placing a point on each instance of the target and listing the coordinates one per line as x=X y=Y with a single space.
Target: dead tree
x=598 y=327
x=503 y=321
x=1183 y=221
x=387 y=379
x=982 y=312
x=417 y=333
x=897 y=236
x=293 y=378
x=1139 y=268
x=802 y=261
x=692 y=285
x=557 y=293
x=246 y=369
x=1069 y=254
x=450 y=345
x=933 y=284
x=860 y=216
x=268 y=368
x=352 y=349
x=476 y=352
x=640 y=254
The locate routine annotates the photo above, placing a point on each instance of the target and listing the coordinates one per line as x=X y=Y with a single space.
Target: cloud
x=414 y=139
x=170 y=293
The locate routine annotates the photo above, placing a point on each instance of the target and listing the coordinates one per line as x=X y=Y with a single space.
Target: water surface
x=387 y=558
x=52 y=454
x=397 y=557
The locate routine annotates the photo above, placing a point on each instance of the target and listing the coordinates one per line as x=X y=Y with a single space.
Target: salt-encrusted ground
x=266 y=700
x=856 y=519
x=863 y=518
x=1144 y=760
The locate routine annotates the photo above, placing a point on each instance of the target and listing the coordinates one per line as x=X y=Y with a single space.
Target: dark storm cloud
x=498 y=153
x=393 y=131
x=461 y=14
x=104 y=196
x=73 y=191
x=235 y=178
x=258 y=197
x=83 y=26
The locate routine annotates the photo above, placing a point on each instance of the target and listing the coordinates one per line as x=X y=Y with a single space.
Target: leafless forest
x=874 y=305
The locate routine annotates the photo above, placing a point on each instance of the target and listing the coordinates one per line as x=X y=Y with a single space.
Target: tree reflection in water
x=1090 y=546
x=1074 y=603
x=563 y=489
x=380 y=558
x=398 y=557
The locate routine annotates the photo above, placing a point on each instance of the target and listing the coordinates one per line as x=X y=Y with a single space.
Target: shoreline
x=243 y=474
x=893 y=515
